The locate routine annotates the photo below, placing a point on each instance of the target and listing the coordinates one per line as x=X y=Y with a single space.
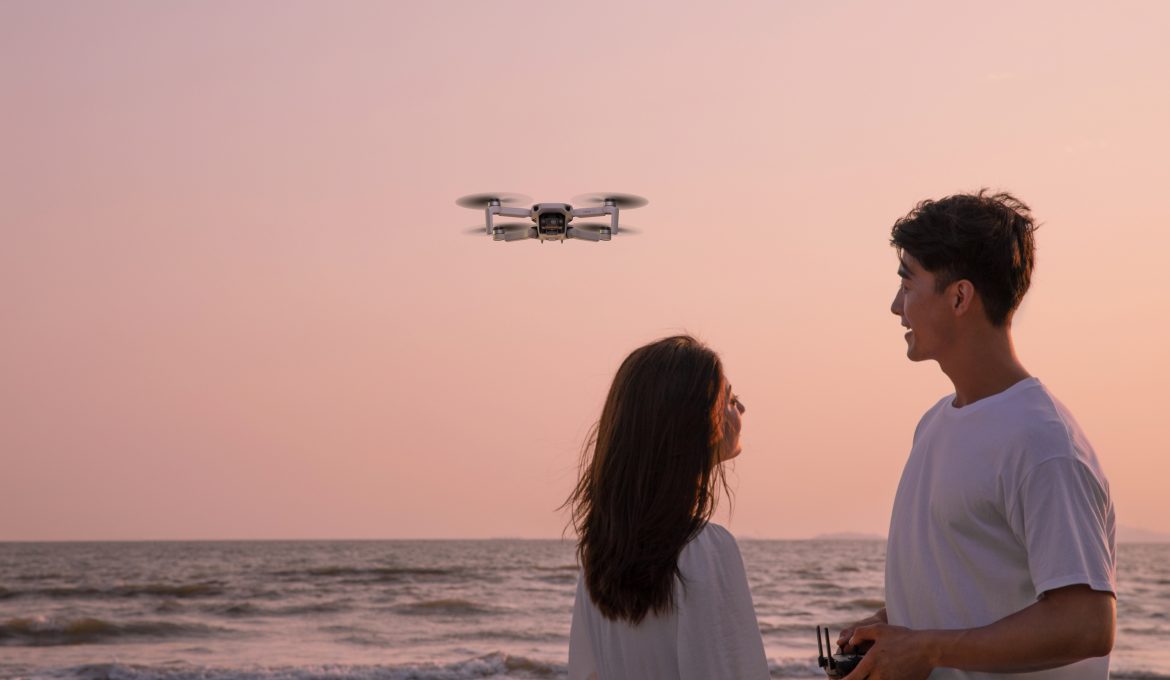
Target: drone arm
x=591 y=212
x=503 y=212
x=611 y=210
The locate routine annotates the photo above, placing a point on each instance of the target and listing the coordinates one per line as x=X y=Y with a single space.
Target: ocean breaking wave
x=494 y=665
x=182 y=590
x=367 y=574
x=47 y=631
x=446 y=606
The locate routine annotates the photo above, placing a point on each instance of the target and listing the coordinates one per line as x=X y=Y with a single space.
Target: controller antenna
x=820 y=650
x=829 y=645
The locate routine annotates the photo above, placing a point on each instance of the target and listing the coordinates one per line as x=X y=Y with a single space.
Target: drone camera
x=551 y=220
x=552 y=223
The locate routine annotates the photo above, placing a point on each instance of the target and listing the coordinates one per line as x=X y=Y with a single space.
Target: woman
x=662 y=592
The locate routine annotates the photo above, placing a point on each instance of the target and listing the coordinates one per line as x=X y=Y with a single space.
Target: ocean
x=419 y=610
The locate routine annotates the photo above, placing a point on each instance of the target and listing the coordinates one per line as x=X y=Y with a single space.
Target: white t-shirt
x=712 y=633
x=1001 y=500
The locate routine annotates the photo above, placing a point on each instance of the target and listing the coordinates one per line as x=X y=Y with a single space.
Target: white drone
x=551 y=221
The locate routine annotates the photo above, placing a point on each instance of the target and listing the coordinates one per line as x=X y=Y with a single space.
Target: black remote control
x=836 y=665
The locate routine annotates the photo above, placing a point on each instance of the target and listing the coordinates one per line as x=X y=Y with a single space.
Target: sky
x=238 y=301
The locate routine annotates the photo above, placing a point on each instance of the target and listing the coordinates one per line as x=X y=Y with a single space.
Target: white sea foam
x=497 y=665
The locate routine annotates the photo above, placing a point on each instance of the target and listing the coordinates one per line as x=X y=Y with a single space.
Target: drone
x=551 y=221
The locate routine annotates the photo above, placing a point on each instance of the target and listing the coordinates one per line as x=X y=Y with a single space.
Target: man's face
x=924 y=311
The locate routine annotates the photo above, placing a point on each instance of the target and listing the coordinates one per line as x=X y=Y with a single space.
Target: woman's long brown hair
x=649 y=476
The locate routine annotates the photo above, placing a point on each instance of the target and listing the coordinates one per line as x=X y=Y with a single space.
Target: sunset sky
x=238 y=300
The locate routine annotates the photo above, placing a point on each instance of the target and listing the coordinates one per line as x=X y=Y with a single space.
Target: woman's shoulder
x=715 y=534
x=711 y=563
x=713 y=543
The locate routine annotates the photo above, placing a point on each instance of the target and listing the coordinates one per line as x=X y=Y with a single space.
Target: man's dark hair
x=984 y=238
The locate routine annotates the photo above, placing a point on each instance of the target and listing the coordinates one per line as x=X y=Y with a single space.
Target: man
x=1001 y=558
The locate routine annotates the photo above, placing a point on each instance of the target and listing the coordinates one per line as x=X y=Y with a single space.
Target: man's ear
x=962 y=296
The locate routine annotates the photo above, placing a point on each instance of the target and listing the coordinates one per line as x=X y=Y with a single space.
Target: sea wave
x=557 y=578
x=808 y=630
x=867 y=603
x=821 y=585
x=46 y=631
x=512 y=635
x=447 y=606
x=805 y=667
x=366 y=574
x=180 y=590
x=36 y=576
x=248 y=609
x=495 y=665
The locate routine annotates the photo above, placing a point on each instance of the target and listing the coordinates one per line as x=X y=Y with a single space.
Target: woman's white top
x=712 y=632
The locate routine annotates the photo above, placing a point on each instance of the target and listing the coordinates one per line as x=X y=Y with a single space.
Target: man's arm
x=1064 y=626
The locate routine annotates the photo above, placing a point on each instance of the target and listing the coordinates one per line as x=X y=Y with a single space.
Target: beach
x=425 y=610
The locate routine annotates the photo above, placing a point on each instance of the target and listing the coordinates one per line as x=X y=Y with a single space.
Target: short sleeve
x=718 y=635
x=1064 y=517
x=582 y=665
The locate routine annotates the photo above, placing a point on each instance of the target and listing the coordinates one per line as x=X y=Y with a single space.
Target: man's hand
x=897 y=653
x=877 y=617
x=1064 y=626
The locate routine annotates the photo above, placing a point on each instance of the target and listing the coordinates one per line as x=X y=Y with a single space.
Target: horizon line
x=1153 y=539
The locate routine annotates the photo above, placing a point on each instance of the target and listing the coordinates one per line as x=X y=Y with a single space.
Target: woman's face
x=732 y=424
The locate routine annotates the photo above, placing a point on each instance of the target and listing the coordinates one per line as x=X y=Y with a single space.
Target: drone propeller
x=484 y=200
x=622 y=201
x=596 y=227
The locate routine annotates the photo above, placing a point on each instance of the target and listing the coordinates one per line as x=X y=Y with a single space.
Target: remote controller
x=836 y=665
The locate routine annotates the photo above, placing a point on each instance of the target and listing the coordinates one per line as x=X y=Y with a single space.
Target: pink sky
x=238 y=301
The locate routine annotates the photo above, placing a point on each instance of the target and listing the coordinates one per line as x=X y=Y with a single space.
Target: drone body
x=550 y=221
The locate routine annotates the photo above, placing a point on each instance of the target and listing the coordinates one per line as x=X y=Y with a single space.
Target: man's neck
x=983 y=364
